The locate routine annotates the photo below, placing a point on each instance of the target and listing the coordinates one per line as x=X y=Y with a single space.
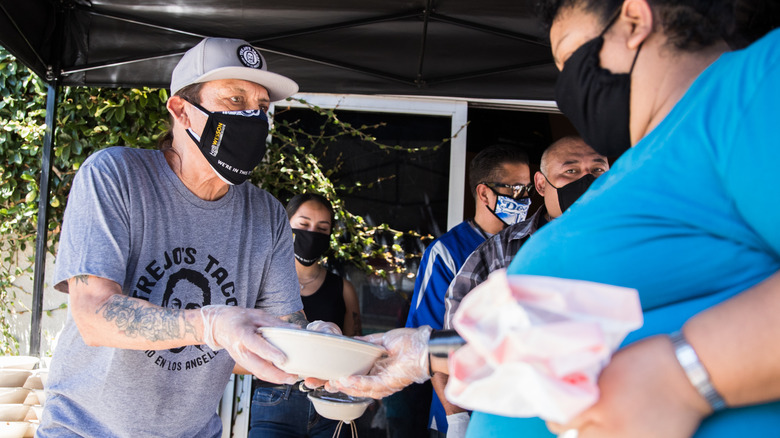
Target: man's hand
x=406 y=363
x=235 y=330
x=644 y=394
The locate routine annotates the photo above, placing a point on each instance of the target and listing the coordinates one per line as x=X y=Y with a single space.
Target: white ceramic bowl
x=31 y=429
x=13 y=395
x=13 y=429
x=41 y=395
x=43 y=375
x=10 y=377
x=33 y=382
x=338 y=406
x=20 y=362
x=38 y=410
x=321 y=355
x=13 y=412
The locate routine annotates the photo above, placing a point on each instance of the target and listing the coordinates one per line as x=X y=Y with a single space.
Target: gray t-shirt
x=130 y=219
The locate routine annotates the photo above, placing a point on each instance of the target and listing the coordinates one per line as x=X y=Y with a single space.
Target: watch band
x=697 y=374
x=441 y=344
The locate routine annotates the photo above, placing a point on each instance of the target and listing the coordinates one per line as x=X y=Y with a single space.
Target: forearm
x=131 y=323
x=352 y=324
x=439 y=382
x=734 y=340
x=298 y=318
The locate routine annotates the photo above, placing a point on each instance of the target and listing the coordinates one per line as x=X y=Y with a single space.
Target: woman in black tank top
x=284 y=410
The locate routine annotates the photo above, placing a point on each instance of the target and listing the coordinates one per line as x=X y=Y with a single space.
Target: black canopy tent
x=487 y=49
x=456 y=48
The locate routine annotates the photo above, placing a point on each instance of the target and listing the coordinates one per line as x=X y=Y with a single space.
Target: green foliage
x=292 y=166
x=89 y=119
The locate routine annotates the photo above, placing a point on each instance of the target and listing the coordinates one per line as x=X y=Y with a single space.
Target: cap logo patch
x=249 y=56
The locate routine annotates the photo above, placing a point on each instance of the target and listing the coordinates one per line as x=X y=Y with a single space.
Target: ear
x=482 y=194
x=177 y=108
x=640 y=16
x=540 y=182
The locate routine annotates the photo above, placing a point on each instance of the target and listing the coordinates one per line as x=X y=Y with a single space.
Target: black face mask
x=233 y=142
x=309 y=246
x=595 y=100
x=572 y=191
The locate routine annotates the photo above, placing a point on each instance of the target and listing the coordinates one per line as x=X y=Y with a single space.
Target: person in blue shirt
x=499 y=177
x=688 y=216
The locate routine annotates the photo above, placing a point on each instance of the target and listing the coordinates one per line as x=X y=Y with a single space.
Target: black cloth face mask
x=309 y=246
x=595 y=100
x=233 y=142
x=572 y=191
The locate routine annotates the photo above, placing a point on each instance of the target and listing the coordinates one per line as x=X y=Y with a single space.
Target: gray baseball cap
x=224 y=58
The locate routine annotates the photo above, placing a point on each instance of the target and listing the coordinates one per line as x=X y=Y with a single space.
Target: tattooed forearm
x=297 y=318
x=137 y=320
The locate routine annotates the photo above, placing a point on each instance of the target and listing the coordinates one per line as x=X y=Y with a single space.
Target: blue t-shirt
x=441 y=261
x=689 y=217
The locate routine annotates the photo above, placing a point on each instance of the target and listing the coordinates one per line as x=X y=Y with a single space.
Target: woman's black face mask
x=309 y=246
x=595 y=100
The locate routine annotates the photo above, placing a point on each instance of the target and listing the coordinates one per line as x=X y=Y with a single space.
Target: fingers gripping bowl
x=321 y=355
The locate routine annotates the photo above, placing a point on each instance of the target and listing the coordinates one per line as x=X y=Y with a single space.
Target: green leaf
x=31 y=197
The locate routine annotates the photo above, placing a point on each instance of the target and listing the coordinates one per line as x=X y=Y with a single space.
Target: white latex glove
x=406 y=363
x=457 y=425
x=324 y=327
x=235 y=330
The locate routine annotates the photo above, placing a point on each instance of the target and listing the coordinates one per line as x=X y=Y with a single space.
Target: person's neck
x=487 y=221
x=671 y=75
x=307 y=273
x=195 y=172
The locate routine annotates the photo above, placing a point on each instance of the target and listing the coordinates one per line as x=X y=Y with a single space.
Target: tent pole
x=43 y=218
x=53 y=78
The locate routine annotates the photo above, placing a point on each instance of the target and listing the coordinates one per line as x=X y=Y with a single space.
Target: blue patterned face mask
x=511 y=211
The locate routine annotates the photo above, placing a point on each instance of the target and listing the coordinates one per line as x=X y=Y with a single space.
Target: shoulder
x=458 y=233
x=768 y=47
x=118 y=155
x=348 y=288
x=263 y=200
x=749 y=67
x=119 y=163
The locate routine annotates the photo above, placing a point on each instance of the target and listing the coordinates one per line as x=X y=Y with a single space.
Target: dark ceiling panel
x=460 y=48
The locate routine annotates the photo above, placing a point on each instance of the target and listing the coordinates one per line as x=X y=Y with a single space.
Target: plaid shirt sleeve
x=494 y=254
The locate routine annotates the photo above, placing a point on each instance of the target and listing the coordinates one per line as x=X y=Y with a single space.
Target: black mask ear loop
x=611 y=21
x=189 y=131
x=606 y=28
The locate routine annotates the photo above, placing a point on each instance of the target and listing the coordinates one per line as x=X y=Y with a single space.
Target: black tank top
x=327 y=304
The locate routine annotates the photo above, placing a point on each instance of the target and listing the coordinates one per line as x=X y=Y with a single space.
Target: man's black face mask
x=233 y=142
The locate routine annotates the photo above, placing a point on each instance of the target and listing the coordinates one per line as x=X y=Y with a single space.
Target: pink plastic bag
x=536 y=345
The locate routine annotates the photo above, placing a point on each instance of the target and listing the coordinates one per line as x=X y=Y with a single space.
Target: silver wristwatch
x=695 y=371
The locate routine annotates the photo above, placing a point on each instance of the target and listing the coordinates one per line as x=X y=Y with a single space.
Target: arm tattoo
x=297 y=318
x=134 y=320
x=81 y=279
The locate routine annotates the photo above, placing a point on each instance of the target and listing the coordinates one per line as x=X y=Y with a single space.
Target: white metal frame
x=456 y=110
